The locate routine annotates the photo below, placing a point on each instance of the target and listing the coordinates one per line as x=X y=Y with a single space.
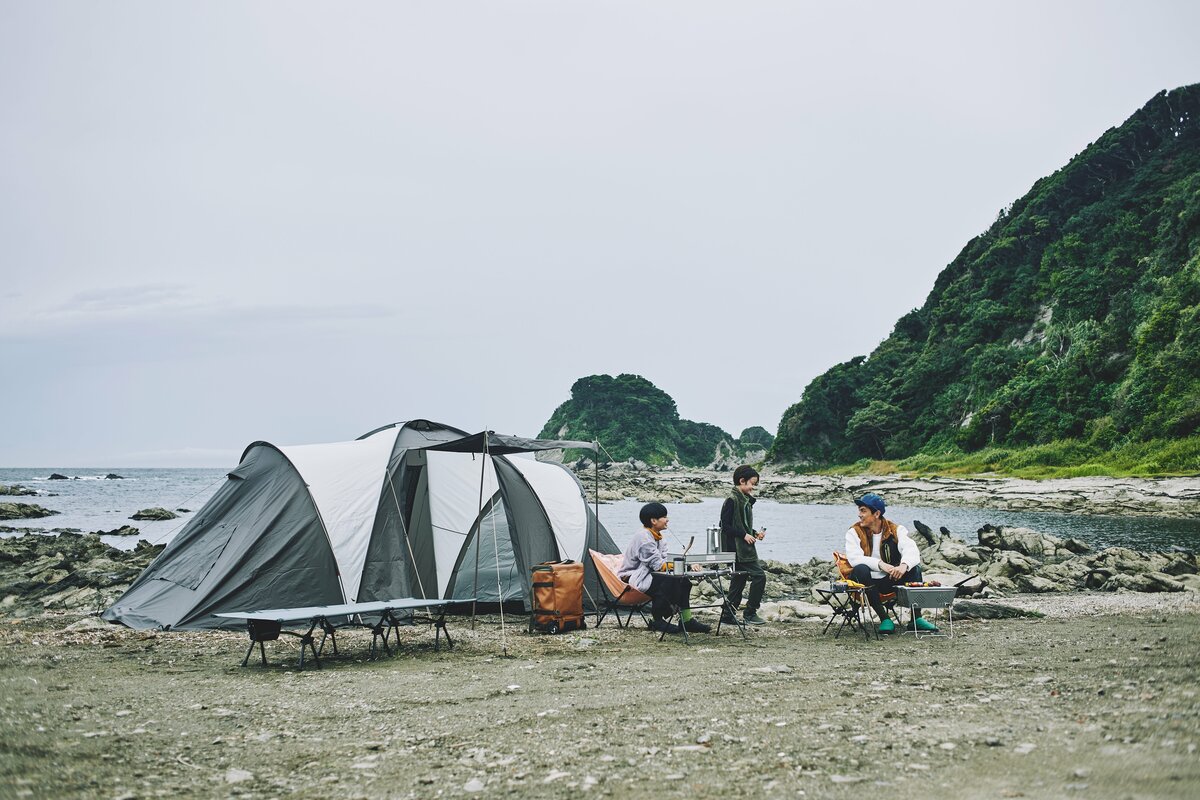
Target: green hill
x=1074 y=320
x=633 y=418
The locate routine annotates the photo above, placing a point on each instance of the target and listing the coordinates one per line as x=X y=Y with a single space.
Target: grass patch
x=1068 y=458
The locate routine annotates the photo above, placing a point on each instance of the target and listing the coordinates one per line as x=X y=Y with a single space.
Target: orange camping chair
x=886 y=597
x=617 y=593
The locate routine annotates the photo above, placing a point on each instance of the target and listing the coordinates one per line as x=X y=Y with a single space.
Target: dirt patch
x=1089 y=706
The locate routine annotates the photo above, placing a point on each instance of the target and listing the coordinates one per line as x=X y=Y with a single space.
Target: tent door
x=190 y=571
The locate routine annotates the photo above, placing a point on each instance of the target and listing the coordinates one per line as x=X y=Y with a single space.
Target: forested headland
x=1064 y=340
x=635 y=419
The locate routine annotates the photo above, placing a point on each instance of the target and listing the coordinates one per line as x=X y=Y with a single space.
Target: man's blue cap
x=872 y=501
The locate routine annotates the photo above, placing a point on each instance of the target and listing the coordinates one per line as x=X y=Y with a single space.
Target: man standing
x=882 y=555
x=737 y=528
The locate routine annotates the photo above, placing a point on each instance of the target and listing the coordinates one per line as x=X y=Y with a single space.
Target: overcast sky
x=222 y=222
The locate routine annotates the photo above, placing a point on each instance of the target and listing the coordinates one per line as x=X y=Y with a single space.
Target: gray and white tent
x=414 y=509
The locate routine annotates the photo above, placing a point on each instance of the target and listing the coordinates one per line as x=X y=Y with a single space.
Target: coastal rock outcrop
x=154 y=514
x=1023 y=560
x=24 y=511
x=17 y=490
x=67 y=571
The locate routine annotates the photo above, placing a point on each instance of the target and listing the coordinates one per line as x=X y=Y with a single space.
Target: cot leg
x=246 y=660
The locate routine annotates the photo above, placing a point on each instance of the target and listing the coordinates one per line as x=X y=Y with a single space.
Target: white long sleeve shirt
x=910 y=554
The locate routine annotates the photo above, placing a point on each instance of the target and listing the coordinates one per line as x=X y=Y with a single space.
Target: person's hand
x=750 y=538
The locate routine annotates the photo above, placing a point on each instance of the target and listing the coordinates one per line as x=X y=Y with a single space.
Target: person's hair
x=744 y=473
x=652 y=511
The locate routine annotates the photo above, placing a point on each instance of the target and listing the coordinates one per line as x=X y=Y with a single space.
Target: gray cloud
x=223 y=223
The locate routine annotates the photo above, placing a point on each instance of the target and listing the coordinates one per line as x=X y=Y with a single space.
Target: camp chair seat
x=617 y=593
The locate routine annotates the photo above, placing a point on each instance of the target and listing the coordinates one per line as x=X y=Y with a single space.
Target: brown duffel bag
x=557 y=597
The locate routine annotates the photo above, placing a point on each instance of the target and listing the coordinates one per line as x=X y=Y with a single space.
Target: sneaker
x=696 y=626
x=925 y=625
x=887 y=626
x=662 y=626
x=752 y=618
x=728 y=619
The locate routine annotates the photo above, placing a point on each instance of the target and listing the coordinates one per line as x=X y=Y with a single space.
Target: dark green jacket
x=737 y=520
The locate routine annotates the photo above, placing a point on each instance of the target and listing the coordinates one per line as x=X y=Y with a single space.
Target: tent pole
x=496 y=551
x=596 y=469
x=478 y=541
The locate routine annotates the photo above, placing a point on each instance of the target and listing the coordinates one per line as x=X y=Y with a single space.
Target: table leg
x=719 y=588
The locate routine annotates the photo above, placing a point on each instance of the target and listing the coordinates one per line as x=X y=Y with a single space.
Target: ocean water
x=90 y=503
x=795 y=532
x=798 y=532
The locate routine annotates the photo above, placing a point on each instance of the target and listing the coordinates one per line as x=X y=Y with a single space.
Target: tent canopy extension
x=414 y=509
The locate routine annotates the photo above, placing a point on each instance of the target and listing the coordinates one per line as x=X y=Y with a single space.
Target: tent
x=415 y=509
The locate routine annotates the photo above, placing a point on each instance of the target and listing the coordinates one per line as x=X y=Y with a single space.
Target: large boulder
x=1008 y=565
x=1181 y=565
x=154 y=514
x=1145 y=582
x=124 y=530
x=1040 y=585
x=1124 y=560
x=1068 y=574
x=1190 y=582
x=1025 y=541
x=23 y=511
x=958 y=552
x=16 y=490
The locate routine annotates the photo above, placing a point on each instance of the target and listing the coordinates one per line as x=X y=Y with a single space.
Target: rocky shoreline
x=1166 y=497
x=42 y=574
x=1071 y=672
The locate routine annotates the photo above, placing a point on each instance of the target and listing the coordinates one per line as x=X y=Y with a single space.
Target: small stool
x=847 y=604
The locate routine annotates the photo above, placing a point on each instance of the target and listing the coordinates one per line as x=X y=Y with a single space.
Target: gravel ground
x=1098 y=699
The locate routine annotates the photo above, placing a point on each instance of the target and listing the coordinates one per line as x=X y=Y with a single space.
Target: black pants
x=747 y=563
x=862 y=574
x=668 y=594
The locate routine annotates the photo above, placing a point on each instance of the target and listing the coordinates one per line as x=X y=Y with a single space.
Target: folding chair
x=887 y=597
x=617 y=593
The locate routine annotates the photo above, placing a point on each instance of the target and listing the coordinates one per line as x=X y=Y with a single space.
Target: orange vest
x=865 y=538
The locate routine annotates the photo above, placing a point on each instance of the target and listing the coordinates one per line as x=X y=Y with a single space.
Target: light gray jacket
x=644 y=555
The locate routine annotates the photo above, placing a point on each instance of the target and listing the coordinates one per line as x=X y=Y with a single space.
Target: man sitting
x=643 y=566
x=882 y=555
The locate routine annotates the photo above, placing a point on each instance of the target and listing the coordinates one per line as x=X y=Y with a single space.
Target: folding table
x=848 y=604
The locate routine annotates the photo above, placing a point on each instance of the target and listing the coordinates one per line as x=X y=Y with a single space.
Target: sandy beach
x=1095 y=696
x=1097 y=699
